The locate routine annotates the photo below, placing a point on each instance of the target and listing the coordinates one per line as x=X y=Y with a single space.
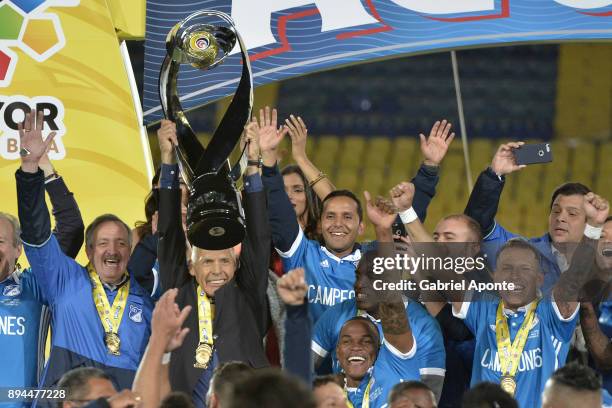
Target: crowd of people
x=294 y=315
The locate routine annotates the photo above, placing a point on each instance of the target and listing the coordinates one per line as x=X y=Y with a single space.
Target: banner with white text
x=288 y=38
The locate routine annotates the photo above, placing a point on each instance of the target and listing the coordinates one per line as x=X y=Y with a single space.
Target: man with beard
x=521 y=338
x=100 y=315
x=410 y=341
x=225 y=288
x=566 y=222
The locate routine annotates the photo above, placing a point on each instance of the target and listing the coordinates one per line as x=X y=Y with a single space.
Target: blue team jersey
x=78 y=334
x=330 y=279
x=388 y=370
x=20 y=308
x=545 y=350
x=427 y=356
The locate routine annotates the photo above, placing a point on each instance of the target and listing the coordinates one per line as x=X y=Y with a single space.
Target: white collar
x=355 y=256
x=523 y=309
x=15 y=275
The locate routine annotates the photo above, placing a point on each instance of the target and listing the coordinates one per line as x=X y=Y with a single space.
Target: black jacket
x=241 y=309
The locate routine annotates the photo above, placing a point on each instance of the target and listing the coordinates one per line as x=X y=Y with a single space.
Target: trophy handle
x=237 y=115
x=189 y=149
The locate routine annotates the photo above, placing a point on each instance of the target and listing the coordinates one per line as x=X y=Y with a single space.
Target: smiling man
x=225 y=288
x=566 y=220
x=522 y=336
x=330 y=265
x=82 y=298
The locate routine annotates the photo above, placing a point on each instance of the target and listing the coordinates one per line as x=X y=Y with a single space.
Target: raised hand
x=504 y=161
x=168 y=319
x=381 y=212
x=33 y=146
x=270 y=135
x=597 y=209
x=251 y=136
x=434 y=147
x=292 y=288
x=298 y=134
x=402 y=195
x=166 y=137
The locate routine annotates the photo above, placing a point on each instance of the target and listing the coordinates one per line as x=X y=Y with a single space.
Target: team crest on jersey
x=325 y=263
x=11 y=290
x=135 y=314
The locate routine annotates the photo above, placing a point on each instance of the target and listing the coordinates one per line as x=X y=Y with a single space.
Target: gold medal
x=508 y=384
x=202 y=355
x=113 y=342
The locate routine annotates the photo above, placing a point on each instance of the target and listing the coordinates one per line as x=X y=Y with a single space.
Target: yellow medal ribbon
x=510 y=353
x=204 y=350
x=110 y=316
x=365 y=403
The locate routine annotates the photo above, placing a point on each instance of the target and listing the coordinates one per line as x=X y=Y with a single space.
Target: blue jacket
x=78 y=337
x=482 y=206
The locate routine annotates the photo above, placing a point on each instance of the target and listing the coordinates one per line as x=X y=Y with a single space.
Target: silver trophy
x=215 y=218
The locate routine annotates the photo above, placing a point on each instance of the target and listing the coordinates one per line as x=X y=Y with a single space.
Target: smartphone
x=533 y=153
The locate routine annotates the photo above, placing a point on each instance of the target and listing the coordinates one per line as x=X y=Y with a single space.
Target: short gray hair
x=16 y=228
x=103 y=219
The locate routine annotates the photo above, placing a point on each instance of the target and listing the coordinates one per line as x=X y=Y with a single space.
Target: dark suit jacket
x=241 y=310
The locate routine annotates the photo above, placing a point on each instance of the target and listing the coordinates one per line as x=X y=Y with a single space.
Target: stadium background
x=364 y=120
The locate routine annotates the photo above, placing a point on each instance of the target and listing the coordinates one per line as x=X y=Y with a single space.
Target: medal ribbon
x=365 y=403
x=110 y=316
x=510 y=354
x=205 y=317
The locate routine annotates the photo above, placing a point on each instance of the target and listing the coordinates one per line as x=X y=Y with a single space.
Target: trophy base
x=216 y=232
x=215 y=219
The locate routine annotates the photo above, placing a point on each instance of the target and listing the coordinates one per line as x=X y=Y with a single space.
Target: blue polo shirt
x=426 y=358
x=330 y=279
x=545 y=350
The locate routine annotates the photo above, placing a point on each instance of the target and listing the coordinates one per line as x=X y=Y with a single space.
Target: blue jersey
x=330 y=279
x=389 y=369
x=20 y=308
x=78 y=334
x=545 y=350
x=427 y=356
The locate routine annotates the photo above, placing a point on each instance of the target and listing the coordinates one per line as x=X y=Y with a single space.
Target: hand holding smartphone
x=533 y=153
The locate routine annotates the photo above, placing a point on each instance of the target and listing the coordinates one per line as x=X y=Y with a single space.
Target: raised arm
x=171 y=249
x=598 y=344
x=484 y=199
x=572 y=281
x=292 y=289
x=281 y=215
x=433 y=149
x=255 y=254
x=391 y=309
x=69 y=228
x=298 y=132
x=167 y=334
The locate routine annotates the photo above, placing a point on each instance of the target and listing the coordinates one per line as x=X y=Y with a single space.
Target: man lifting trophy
x=225 y=283
x=215 y=218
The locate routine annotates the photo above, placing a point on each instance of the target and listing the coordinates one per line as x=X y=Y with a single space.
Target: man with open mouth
x=100 y=315
x=522 y=336
x=225 y=288
x=380 y=338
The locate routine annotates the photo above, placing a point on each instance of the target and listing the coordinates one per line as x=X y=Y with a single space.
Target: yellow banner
x=63 y=56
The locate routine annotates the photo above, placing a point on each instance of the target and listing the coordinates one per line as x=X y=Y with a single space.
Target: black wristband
x=256 y=163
